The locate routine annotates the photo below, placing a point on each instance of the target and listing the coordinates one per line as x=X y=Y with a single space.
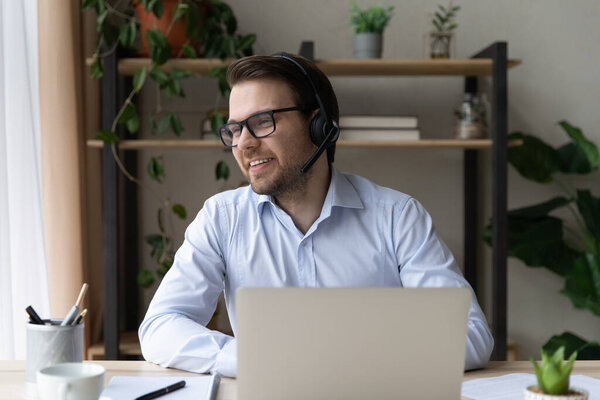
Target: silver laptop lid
x=351 y=343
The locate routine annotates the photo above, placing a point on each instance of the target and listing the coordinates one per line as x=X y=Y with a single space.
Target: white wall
x=558 y=41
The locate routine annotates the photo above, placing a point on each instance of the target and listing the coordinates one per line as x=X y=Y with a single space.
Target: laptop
x=351 y=343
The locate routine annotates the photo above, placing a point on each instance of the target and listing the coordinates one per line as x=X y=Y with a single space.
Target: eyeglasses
x=259 y=125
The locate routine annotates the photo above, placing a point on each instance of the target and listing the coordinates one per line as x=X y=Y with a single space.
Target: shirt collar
x=341 y=193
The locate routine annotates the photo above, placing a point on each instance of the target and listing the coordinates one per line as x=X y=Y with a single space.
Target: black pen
x=34 y=318
x=163 y=391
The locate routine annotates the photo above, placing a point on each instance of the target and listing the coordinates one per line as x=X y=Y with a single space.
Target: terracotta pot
x=148 y=20
x=534 y=393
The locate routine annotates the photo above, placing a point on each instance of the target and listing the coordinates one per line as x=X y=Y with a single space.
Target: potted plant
x=441 y=39
x=368 y=27
x=210 y=29
x=570 y=249
x=553 y=378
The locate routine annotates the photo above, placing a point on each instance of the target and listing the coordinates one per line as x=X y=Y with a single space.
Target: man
x=299 y=223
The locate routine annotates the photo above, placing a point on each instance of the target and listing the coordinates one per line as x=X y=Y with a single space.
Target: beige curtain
x=64 y=163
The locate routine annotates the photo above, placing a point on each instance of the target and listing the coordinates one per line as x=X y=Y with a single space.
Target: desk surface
x=12 y=374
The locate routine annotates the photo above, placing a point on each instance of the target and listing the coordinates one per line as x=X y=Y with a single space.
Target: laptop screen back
x=351 y=343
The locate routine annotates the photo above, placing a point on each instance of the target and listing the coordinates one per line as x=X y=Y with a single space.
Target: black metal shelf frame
x=499 y=125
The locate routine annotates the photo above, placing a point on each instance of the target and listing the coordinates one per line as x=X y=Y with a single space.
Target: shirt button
x=303 y=243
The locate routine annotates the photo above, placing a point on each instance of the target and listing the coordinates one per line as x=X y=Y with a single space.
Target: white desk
x=12 y=374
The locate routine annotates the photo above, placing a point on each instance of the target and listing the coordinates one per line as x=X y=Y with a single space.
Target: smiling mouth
x=258 y=162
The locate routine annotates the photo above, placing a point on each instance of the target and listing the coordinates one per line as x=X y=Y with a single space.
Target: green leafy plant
x=553 y=375
x=372 y=20
x=210 y=30
x=444 y=17
x=570 y=249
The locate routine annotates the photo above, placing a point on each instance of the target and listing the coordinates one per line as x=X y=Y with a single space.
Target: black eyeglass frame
x=243 y=123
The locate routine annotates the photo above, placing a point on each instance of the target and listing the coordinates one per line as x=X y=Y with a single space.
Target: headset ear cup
x=318 y=129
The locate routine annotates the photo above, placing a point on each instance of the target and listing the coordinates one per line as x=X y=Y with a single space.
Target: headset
x=324 y=131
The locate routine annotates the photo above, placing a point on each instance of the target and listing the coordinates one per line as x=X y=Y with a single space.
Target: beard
x=288 y=181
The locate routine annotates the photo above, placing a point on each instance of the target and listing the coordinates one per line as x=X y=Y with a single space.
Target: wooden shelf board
x=129 y=345
x=191 y=144
x=341 y=67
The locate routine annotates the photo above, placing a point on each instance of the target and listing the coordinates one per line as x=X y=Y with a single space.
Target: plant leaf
x=88 y=4
x=189 y=51
x=139 y=78
x=100 y=20
x=573 y=343
x=538 y=242
x=155 y=169
x=179 y=210
x=133 y=124
x=534 y=159
x=222 y=170
x=145 y=278
x=127 y=34
x=583 y=283
x=179 y=11
x=164 y=124
x=107 y=136
x=128 y=112
x=159 y=76
x=175 y=124
x=96 y=71
x=589 y=208
x=159 y=220
x=540 y=210
x=584 y=146
x=160 y=51
x=572 y=161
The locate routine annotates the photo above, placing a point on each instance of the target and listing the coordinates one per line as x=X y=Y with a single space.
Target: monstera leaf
x=571 y=342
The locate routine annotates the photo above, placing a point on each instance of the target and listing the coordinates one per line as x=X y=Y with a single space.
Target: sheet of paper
x=512 y=386
x=130 y=387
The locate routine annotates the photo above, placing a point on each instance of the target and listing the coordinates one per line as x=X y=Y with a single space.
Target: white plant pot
x=531 y=395
x=368 y=45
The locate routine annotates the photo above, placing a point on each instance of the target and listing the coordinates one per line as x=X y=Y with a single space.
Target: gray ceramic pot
x=368 y=45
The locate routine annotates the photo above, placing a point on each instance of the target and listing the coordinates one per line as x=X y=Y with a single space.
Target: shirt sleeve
x=173 y=332
x=424 y=260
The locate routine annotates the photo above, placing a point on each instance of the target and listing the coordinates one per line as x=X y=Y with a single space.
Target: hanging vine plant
x=171 y=29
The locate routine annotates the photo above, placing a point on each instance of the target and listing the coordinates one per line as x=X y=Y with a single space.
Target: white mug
x=70 y=381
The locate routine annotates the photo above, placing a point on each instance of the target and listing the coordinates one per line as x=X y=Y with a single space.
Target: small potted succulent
x=553 y=378
x=368 y=27
x=441 y=39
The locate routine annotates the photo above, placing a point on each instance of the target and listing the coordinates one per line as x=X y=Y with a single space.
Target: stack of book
x=379 y=127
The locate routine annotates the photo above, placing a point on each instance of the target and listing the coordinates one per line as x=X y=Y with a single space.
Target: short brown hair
x=261 y=67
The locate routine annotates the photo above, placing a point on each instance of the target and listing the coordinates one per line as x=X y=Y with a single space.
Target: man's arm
x=174 y=333
x=425 y=261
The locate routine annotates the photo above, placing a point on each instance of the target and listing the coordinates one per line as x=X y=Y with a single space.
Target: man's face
x=272 y=164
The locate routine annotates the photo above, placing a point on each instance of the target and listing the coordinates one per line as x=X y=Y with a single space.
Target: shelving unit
x=491 y=62
x=204 y=144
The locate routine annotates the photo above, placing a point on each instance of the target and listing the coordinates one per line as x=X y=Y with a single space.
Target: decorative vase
x=441 y=44
x=368 y=45
x=148 y=20
x=534 y=393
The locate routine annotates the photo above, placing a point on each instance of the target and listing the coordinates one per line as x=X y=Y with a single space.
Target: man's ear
x=314 y=114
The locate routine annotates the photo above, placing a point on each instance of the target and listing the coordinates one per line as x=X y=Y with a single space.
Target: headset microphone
x=335 y=130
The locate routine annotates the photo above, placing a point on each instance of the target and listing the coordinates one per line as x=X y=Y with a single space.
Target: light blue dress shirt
x=366 y=236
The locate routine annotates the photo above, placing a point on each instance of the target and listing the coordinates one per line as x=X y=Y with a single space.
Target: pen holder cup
x=50 y=344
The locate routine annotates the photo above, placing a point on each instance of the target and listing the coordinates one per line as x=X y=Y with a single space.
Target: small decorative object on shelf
x=440 y=41
x=553 y=378
x=369 y=25
x=471 y=114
